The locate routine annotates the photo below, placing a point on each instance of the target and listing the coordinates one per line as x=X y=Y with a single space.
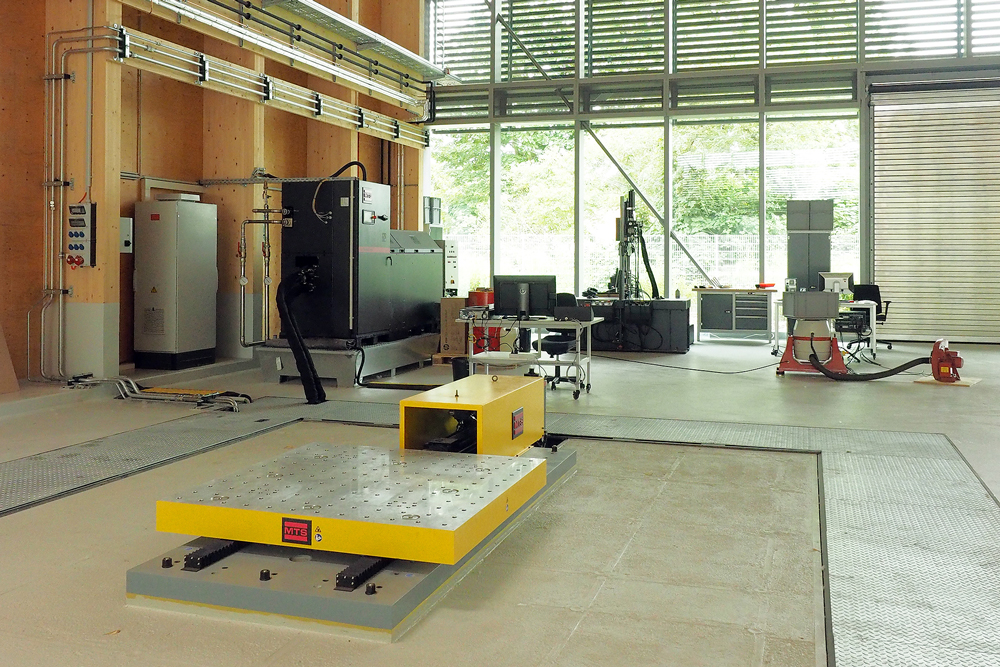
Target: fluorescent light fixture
x=367 y=40
x=273 y=45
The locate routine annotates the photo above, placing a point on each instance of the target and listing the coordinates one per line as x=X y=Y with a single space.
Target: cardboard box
x=454 y=335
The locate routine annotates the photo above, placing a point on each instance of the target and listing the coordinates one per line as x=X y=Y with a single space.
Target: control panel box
x=79 y=244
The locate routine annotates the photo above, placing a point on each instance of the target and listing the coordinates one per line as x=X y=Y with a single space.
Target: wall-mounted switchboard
x=80 y=247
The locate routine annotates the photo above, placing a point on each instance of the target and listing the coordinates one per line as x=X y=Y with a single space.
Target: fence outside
x=730 y=258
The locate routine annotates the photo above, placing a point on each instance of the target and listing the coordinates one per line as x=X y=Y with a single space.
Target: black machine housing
x=372 y=283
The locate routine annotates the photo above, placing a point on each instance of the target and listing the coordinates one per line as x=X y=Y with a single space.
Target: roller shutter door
x=936 y=195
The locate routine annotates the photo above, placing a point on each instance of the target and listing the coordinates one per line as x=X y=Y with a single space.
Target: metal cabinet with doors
x=733 y=311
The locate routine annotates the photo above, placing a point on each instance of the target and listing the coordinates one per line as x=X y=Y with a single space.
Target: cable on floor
x=684 y=368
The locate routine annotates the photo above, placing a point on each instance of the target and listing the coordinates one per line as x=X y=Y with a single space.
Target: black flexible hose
x=288 y=290
x=863 y=377
x=649 y=268
x=352 y=163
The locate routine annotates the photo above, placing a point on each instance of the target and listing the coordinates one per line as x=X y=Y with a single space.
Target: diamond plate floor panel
x=36 y=479
x=913 y=537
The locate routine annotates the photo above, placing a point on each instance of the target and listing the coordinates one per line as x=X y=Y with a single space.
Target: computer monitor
x=837 y=282
x=524 y=296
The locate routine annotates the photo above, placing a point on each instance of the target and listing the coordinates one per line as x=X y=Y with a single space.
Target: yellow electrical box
x=510 y=413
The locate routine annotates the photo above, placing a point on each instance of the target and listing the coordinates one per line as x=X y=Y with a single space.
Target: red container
x=480 y=297
x=483 y=338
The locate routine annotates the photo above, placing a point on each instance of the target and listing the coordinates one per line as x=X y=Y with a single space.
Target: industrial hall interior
x=554 y=333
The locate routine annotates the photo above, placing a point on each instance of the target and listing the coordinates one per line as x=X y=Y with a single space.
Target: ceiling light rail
x=279 y=34
x=182 y=64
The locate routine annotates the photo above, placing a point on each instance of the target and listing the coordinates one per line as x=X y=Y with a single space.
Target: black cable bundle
x=649 y=268
x=288 y=291
x=352 y=163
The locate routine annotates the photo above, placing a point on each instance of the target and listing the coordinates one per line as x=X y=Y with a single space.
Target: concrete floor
x=73 y=556
x=658 y=555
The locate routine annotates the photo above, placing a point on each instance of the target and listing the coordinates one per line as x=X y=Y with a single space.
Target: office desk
x=871 y=307
x=580 y=361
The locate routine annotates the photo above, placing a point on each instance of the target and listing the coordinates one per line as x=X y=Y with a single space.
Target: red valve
x=69 y=260
x=79 y=260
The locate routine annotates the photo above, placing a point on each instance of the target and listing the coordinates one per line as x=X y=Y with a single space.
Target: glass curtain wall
x=640 y=151
x=813 y=159
x=535 y=232
x=715 y=197
x=460 y=176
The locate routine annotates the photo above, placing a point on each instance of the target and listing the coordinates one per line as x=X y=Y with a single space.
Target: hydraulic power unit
x=372 y=283
x=176 y=280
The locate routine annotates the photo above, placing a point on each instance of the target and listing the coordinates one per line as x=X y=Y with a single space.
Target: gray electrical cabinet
x=176 y=278
x=810 y=224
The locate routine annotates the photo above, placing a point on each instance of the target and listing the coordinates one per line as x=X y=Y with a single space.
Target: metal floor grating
x=913 y=537
x=42 y=477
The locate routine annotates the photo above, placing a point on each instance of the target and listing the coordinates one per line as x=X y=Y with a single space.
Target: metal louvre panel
x=798 y=89
x=547 y=28
x=985 y=27
x=454 y=102
x=462 y=39
x=937 y=213
x=601 y=98
x=713 y=34
x=725 y=93
x=801 y=31
x=912 y=28
x=624 y=36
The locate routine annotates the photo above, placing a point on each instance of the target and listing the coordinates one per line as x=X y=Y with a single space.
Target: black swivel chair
x=872 y=293
x=559 y=341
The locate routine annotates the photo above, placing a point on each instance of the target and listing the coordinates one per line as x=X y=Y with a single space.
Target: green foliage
x=715 y=176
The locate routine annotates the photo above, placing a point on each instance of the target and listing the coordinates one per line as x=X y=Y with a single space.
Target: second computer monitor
x=521 y=296
x=837 y=282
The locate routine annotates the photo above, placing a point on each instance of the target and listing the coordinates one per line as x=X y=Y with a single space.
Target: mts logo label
x=296 y=531
x=517 y=423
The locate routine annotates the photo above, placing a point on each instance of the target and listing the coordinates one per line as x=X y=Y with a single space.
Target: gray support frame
x=668 y=204
x=762 y=193
x=866 y=166
x=577 y=201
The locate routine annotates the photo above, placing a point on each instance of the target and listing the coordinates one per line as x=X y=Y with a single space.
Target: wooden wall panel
x=165 y=131
x=22 y=65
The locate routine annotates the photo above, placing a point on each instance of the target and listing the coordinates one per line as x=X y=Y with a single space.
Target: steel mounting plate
x=405 y=504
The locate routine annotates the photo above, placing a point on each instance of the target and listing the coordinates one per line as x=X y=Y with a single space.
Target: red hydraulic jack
x=789 y=363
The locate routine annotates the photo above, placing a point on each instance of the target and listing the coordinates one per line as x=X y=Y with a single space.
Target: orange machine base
x=790 y=363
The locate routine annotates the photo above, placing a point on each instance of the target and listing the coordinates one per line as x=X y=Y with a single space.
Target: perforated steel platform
x=407 y=504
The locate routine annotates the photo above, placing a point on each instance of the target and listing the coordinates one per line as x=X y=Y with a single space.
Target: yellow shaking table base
x=404 y=504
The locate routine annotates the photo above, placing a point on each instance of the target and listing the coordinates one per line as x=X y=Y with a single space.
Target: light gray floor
x=966 y=415
x=664 y=555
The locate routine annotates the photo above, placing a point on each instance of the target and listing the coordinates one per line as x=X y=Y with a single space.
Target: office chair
x=872 y=293
x=558 y=342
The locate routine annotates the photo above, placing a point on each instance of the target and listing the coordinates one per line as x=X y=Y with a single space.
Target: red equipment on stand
x=789 y=363
x=483 y=338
